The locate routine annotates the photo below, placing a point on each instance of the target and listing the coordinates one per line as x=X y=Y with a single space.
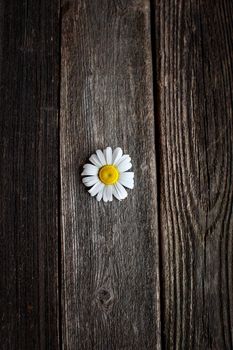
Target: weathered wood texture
x=109 y=251
x=111 y=295
x=194 y=46
x=29 y=67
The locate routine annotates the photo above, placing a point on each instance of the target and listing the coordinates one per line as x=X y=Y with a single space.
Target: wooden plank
x=29 y=66
x=110 y=251
x=195 y=50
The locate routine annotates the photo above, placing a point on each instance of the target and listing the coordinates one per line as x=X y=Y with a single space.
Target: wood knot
x=65 y=8
x=105 y=299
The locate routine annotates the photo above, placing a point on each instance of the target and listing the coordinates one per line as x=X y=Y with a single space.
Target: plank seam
x=59 y=186
x=157 y=136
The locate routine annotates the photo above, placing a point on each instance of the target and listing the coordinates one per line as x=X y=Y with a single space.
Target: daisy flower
x=107 y=175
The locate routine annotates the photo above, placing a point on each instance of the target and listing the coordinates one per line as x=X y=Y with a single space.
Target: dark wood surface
x=155 y=270
x=194 y=86
x=110 y=250
x=29 y=68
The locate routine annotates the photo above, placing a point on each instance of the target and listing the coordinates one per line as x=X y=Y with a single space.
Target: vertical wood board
x=194 y=49
x=109 y=251
x=29 y=80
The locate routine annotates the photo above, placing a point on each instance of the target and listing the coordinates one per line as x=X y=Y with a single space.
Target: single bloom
x=108 y=174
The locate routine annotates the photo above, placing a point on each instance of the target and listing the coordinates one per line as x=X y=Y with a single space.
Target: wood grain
x=29 y=66
x=109 y=251
x=194 y=48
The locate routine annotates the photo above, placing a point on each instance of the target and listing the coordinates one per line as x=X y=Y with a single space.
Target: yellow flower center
x=108 y=174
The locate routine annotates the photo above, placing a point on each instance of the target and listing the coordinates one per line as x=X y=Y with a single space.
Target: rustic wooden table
x=155 y=270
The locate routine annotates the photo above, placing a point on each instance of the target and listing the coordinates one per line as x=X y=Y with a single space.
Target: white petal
x=108 y=155
x=90 y=180
x=88 y=165
x=128 y=184
x=90 y=169
x=123 y=158
x=116 y=193
x=126 y=179
x=96 y=188
x=101 y=157
x=95 y=160
x=100 y=195
x=120 y=190
x=128 y=175
x=109 y=192
x=105 y=197
x=117 y=154
x=124 y=166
